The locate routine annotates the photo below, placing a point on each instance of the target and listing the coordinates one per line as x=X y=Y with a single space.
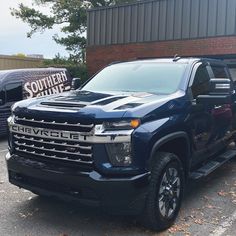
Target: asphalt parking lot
x=209 y=208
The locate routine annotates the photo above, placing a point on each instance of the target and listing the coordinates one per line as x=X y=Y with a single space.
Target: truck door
x=209 y=123
x=222 y=114
x=201 y=117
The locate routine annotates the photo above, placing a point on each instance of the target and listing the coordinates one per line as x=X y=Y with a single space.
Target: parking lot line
x=220 y=230
x=4 y=150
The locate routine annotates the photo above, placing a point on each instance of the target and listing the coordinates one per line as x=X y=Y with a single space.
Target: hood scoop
x=63 y=104
x=128 y=106
x=107 y=101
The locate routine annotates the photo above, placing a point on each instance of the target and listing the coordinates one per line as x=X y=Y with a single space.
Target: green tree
x=22 y=55
x=69 y=14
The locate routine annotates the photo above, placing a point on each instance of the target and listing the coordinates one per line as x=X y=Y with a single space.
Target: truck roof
x=182 y=60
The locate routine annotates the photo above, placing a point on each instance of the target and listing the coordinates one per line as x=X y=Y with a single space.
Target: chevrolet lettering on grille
x=45 y=133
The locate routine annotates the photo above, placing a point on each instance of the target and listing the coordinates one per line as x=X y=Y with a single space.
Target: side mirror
x=220 y=86
x=220 y=91
x=214 y=99
x=76 y=83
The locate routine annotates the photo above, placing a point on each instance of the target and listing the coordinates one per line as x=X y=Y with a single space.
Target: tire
x=166 y=185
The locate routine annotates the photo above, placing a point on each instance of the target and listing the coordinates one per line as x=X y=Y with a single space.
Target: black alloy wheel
x=165 y=192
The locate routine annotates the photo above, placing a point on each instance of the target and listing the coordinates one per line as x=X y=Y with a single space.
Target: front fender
x=152 y=135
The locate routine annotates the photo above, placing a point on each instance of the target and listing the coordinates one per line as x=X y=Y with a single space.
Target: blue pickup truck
x=129 y=138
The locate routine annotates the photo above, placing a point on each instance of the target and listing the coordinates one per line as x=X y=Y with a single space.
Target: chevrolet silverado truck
x=129 y=138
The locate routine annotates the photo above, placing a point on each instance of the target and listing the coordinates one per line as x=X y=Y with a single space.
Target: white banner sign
x=52 y=84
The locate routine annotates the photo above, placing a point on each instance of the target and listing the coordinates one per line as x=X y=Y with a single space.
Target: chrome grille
x=54 y=124
x=54 y=149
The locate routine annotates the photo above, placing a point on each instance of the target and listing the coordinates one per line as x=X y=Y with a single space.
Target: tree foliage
x=77 y=70
x=22 y=55
x=69 y=14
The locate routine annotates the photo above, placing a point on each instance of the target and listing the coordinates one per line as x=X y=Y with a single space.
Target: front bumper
x=123 y=195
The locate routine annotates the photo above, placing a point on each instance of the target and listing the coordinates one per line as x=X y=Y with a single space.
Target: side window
x=219 y=72
x=200 y=82
x=233 y=73
x=13 y=92
x=2 y=97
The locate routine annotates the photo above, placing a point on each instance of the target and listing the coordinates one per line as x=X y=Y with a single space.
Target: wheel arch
x=177 y=143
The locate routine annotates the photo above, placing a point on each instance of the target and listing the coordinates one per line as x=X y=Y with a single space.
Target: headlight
x=121 y=125
x=119 y=153
x=118 y=135
x=13 y=108
x=9 y=135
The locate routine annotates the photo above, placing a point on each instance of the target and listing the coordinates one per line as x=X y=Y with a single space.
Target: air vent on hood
x=128 y=106
x=108 y=100
x=63 y=104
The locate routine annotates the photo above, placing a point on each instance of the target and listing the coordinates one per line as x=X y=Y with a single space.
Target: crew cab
x=129 y=138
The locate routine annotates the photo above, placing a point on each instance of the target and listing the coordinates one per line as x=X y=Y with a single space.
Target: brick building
x=162 y=28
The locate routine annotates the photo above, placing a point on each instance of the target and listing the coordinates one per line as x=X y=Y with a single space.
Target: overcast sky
x=13 y=37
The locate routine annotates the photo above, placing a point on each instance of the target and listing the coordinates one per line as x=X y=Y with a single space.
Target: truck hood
x=97 y=105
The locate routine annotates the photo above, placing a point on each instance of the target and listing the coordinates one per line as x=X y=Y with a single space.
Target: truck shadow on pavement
x=75 y=219
x=200 y=203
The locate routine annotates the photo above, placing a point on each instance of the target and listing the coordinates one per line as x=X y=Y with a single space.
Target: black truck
x=19 y=84
x=129 y=138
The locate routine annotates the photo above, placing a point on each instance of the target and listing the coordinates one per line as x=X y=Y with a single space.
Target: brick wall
x=100 y=56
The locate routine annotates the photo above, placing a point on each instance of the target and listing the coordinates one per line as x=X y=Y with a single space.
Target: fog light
x=119 y=154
